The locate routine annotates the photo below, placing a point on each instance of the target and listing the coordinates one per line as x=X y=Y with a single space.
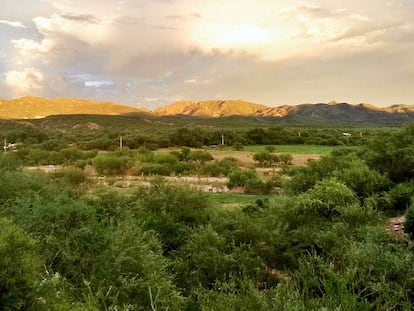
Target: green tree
x=20 y=267
x=238 y=146
x=200 y=156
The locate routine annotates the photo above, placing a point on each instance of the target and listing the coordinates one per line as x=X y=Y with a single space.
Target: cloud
x=30 y=47
x=263 y=51
x=98 y=84
x=83 y=18
x=12 y=24
x=25 y=80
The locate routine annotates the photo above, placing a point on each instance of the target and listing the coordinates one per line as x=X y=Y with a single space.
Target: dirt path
x=395 y=226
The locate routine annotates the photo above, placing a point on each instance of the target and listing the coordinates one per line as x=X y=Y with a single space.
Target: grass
x=239 y=199
x=294 y=149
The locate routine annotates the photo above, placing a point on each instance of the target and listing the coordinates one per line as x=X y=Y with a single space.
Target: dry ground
x=245 y=158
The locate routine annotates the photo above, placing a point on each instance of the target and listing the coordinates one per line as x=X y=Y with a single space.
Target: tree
x=327 y=199
x=20 y=266
x=200 y=156
x=286 y=158
x=242 y=178
x=263 y=157
x=238 y=146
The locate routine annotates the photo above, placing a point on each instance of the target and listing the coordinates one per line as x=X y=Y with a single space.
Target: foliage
x=409 y=221
x=111 y=164
x=320 y=246
x=238 y=146
x=241 y=178
x=19 y=266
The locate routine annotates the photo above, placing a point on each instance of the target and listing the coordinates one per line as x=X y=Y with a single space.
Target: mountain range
x=37 y=107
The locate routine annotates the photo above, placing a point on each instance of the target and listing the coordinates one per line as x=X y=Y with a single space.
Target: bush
x=240 y=178
x=73 y=176
x=200 y=156
x=111 y=164
x=165 y=158
x=401 y=195
x=9 y=162
x=409 y=222
x=219 y=168
x=156 y=169
x=19 y=267
x=286 y=158
x=238 y=146
x=327 y=199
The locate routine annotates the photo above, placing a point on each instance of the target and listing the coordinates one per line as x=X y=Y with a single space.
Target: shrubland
x=168 y=247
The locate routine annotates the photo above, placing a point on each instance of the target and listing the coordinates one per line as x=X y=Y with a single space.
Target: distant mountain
x=36 y=107
x=332 y=112
x=211 y=108
x=343 y=112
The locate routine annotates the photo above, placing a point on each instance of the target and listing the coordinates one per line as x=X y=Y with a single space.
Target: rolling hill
x=36 y=107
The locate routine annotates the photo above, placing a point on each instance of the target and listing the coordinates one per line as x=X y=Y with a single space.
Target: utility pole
x=121 y=143
x=5 y=145
x=222 y=138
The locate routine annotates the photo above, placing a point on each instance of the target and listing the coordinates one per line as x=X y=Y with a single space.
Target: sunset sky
x=152 y=52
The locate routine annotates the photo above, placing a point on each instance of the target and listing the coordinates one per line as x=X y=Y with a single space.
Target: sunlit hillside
x=36 y=107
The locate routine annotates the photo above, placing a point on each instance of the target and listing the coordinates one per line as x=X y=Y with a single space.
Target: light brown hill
x=211 y=108
x=36 y=107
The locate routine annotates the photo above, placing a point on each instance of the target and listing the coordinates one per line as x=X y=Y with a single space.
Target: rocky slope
x=212 y=108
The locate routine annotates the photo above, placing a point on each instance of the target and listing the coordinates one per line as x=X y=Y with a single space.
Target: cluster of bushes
x=380 y=177
x=38 y=156
x=268 y=159
x=167 y=247
x=46 y=138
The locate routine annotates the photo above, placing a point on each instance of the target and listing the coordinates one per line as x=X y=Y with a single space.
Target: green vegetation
x=295 y=149
x=308 y=238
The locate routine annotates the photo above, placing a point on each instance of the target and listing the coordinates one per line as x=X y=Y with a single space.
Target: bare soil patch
x=395 y=226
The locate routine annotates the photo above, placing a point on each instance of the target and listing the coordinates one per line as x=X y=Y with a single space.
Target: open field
x=294 y=149
x=245 y=157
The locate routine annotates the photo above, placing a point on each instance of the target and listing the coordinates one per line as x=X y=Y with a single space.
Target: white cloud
x=25 y=80
x=12 y=24
x=98 y=84
x=262 y=50
x=30 y=47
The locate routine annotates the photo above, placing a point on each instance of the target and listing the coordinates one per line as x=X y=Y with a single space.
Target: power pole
x=5 y=145
x=222 y=138
x=121 y=143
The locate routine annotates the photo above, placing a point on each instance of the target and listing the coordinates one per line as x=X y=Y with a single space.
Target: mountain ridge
x=31 y=107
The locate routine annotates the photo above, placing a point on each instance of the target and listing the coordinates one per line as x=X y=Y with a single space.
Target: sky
x=149 y=53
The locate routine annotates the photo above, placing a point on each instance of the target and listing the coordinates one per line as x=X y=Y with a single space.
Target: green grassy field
x=294 y=149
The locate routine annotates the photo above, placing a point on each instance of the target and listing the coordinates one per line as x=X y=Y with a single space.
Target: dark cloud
x=83 y=18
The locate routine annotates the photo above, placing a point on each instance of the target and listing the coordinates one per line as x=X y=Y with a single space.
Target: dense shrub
x=409 y=222
x=73 y=176
x=111 y=164
x=240 y=178
x=20 y=267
